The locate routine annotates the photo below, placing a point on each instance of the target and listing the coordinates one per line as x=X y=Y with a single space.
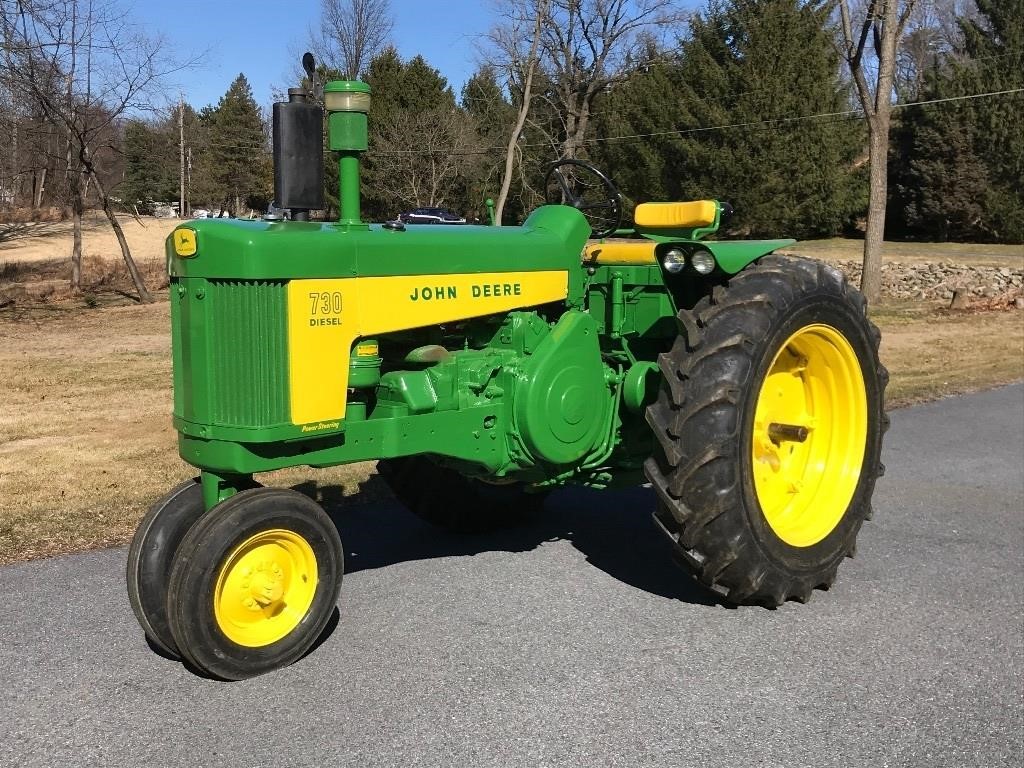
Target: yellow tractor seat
x=699 y=213
x=620 y=252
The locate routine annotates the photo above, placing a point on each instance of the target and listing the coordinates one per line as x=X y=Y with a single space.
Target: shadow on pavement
x=613 y=529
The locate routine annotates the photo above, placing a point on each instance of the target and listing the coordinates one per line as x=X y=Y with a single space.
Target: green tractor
x=481 y=367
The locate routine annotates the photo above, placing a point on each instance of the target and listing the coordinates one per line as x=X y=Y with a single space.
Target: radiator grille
x=248 y=355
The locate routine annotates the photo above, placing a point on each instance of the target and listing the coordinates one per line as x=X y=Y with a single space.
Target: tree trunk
x=582 y=121
x=885 y=26
x=126 y=253
x=524 y=110
x=878 y=151
x=76 y=218
x=569 y=144
x=15 y=173
x=37 y=200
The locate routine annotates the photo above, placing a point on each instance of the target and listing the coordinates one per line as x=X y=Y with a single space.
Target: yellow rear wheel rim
x=265 y=588
x=809 y=436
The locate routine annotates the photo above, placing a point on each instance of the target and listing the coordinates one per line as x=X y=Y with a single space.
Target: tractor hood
x=552 y=238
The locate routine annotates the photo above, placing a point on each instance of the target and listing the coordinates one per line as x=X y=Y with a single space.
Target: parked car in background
x=200 y=213
x=430 y=216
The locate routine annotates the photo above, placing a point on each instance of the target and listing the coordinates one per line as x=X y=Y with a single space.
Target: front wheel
x=769 y=428
x=254 y=583
x=151 y=553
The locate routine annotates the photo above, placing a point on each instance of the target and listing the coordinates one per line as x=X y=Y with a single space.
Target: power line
x=768 y=123
x=733 y=97
x=848 y=114
x=797 y=118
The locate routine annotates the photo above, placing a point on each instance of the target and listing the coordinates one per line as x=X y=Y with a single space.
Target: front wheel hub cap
x=265 y=588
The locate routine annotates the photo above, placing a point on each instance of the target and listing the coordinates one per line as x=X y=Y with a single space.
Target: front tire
x=254 y=583
x=150 y=555
x=769 y=425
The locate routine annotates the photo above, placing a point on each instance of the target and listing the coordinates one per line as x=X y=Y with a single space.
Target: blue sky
x=260 y=38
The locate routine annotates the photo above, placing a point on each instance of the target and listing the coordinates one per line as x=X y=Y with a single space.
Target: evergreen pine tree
x=485 y=101
x=406 y=96
x=994 y=45
x=767 y=66
x=648 y=104
x=957 y=166
x=937 y=181
x=238 y=147
x=149 y=173
x=752 y=63
x=493 y=117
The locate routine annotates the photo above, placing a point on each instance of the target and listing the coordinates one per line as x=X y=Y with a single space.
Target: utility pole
x=181 y=153
x=188 y=180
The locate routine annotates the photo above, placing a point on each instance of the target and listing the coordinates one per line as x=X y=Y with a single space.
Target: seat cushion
x=698 y=213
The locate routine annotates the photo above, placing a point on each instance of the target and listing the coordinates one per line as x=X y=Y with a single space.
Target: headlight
x=703 y=261
x=673 y=261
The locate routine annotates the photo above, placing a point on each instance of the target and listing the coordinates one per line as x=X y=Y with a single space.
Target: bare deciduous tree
x=882 y=23
x=84 y=66
x=578 y=49
x=932 y=35
x=31 y=148
x=588 y=45
x=352 y=32
x=420 y=158
x=519 y=58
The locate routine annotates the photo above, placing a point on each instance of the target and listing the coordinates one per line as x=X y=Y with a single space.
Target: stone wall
x=937 y=280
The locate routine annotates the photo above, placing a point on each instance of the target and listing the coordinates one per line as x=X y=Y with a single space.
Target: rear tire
x=784 y=348
x=449 y=500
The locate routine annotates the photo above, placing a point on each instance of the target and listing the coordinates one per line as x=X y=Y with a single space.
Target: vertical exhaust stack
x=299 y=151
x=347 y=102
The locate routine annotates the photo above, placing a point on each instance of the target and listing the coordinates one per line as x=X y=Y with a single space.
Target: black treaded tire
x=451 y=501
x=703 y=421
x=204 y=552
x=151 y=553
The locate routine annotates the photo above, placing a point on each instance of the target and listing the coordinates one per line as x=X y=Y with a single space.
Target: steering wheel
x=581 y=185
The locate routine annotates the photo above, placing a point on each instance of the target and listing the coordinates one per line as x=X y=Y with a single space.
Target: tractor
x=481 y=367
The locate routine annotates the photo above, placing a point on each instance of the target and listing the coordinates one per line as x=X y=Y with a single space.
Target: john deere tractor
x=481 y=367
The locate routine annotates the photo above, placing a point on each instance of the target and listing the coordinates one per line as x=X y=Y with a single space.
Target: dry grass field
x=974 y=254
x=86 y=441
x=41 y=241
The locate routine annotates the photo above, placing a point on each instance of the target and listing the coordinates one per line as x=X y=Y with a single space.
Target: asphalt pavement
x=576 y=642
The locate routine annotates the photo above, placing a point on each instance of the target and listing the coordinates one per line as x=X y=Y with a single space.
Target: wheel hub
x=809 y=436
x=265 y=587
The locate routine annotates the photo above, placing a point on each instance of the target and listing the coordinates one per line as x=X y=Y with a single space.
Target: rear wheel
x=449 y=500
x=769 y=425
x=254 y=583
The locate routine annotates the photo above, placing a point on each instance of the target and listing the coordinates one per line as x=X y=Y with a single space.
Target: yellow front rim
x=810 y=433
x=265 y=588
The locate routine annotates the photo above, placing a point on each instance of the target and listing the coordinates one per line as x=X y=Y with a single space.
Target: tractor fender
x=734 y=255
